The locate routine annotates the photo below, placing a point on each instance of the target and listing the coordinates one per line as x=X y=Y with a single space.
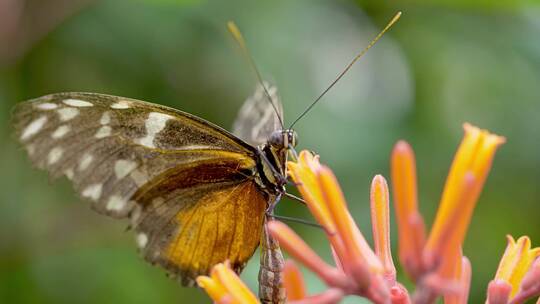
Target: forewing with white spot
x=111 y=147
x=188 y=186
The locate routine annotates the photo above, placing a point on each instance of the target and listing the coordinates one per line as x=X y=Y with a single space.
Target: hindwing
x=189 y=230
x=259 y=117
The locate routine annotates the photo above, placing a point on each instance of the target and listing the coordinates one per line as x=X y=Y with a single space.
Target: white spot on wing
x=54 y=155
x=34 y=127
x=67 y=113
x=116 y=203
x=142 y=240
x=86 y=160
x=123 y=167
x=154 y=124
x=77 y=103
x=60 y=131
x=93 y=191
x=105 y=118
x=69 y=173
x=47 y=106
x=120 y=105
x=103 y=132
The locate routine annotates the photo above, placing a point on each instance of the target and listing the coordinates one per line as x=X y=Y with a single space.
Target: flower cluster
x=434 y=260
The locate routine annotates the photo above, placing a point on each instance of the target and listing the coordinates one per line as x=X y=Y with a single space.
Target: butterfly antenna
x=237 y=35
x=386 y=28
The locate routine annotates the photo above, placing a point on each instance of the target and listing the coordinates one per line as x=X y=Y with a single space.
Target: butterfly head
x=283 y=139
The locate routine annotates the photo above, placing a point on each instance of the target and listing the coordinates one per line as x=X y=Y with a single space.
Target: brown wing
x=257 y=118
x=199 y=224
x=111 y=146
x=187 y=184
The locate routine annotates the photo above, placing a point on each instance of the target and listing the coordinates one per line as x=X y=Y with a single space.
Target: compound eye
x=293 y=139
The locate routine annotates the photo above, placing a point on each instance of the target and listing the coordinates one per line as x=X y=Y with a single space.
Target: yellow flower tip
x=305 y=154
x=308 y=159
x=516 y=261
x=305 y=173
x=221 y=271
x=464 y=184
x=224 y=286
x=293 y=282
x=213 y=288
x=470 y=128
x=380 y=217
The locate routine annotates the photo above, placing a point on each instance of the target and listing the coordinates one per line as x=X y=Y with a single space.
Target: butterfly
x=196 y=195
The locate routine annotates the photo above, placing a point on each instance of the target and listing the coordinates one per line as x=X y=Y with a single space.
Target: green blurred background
x=444 y=63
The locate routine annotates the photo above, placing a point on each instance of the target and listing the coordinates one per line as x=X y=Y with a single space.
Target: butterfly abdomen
x=271 y=288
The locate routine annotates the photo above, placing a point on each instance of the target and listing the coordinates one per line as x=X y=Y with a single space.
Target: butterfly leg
x=294 y=198
x=272 y=206
x=294 y=154
x=282 y=180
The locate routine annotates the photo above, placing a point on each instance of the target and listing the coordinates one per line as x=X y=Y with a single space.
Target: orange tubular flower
x=516 y=264
x=460 y=273
x=225 y=287
x=498 y=292
x=324 y=198
x=296 y=289
x=293 y=282
x=530 y=286
x=357 y=263
x=411 y=229
x=467 y=175
x=380 y=217
x=297 y=248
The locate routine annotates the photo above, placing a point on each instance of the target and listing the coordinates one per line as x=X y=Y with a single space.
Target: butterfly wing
x=111 y=146
x=124 y=155
x=255 y=122
x=189 y=230
x=257 y=118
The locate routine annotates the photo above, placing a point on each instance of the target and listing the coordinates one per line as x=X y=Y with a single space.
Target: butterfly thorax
x=273 y=159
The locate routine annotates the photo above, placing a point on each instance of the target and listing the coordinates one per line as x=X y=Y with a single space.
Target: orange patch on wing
x=224 y=224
